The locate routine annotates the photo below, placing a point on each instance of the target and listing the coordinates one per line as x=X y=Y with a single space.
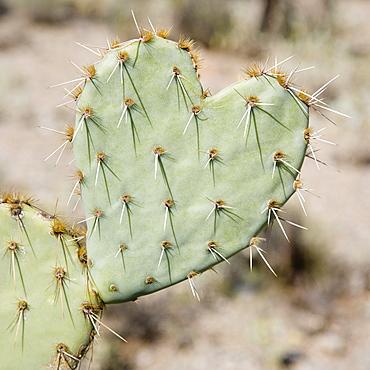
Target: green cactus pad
x=44 y=289
x=175 y=181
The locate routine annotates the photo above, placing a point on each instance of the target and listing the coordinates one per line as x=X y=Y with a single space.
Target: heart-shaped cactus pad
x=174 y=180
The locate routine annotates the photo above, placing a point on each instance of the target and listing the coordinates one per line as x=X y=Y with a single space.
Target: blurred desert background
x=316 y=313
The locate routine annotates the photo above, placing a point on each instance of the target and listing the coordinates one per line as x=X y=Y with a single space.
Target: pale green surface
x=45 y=323
x=243 y=180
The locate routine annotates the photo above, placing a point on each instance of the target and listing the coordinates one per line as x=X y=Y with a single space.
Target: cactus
x=176 y=181
x=47 y=307
x=173 y=181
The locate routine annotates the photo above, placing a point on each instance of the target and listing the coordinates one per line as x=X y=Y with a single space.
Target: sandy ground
x=317 y=318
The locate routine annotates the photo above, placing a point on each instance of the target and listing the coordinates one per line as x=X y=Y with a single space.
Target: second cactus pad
x=49 y=310
x=173 y=180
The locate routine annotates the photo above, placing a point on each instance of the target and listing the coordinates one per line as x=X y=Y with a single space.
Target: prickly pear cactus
x=48 y=310
x=173 y=180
